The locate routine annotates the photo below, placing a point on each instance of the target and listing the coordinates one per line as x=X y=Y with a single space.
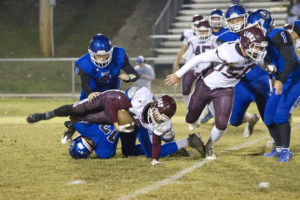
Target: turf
x=34 y=165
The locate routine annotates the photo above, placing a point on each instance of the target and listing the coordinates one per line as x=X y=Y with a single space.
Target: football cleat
x=181 y=152
x=207 y=117
x=195 y=141
x=285 y=155
x=36 y=117
x=272 y=154
x=250 y=126
x=156 y=162
x=209 y=150
x=67 y=137
x=193 y=126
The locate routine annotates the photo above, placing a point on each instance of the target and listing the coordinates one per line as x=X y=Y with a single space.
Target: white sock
x=182 y=143
x=278 y=148
x=186 y=100
x=215 y=134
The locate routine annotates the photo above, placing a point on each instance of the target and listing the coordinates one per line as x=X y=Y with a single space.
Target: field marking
x=180 y=174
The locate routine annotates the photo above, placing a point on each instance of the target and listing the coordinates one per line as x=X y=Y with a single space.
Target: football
x=125 y=118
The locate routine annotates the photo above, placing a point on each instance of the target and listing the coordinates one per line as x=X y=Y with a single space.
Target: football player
x=153 y=114
x=216 y=22
x=103 y=139
x=232 y=61
x=100 y=68
x=185 y=36
x=196 y=45
x=255 y=86
x=282 y=55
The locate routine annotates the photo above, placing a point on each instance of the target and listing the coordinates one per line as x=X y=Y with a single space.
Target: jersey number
x=202 y=49
x=283 y=37
x=111 y=134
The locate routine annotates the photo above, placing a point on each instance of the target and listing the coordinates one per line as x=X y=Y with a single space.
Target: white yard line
x=180 y=174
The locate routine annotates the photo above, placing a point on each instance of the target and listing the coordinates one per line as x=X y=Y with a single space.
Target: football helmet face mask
x=196 y=19
x=80 y=147
x=234 y=12
x=254 y=43
x=262 y=19
x=100 y=50
x=216 y=18
x=161 y=110
x=203 y=31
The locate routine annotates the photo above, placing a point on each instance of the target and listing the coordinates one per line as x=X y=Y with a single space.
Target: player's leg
x=290 y=93
x=187 y=82
x=199 y=99
x=62 y=111
x=222 y=100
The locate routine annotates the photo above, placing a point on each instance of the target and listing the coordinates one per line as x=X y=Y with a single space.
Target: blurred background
x=41 y=40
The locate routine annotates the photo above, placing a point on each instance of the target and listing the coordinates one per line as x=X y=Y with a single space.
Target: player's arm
x=283 y=42
x=85 y=80
x=179 y=56
x=133 y=75
x=112 y=108
x=208 y=56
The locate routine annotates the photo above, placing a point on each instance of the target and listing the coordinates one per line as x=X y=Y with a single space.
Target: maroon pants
x=222 y=100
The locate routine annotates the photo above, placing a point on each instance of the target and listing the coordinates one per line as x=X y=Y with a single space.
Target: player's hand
x=156 y=162
x=93 y=95
x=124 y=77
x=278 y=87
x=123 y=128
x=172 y=79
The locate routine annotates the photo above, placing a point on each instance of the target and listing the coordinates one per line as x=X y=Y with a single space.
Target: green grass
x=34 y=165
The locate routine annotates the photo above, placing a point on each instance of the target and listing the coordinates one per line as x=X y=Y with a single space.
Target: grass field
x=35 y=165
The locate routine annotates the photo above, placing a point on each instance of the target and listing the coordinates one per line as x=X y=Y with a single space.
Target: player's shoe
x=195 y=141
x=67 y=137
x=181 y=152
x=250 y=126
x=272 y=154
x=36 y=117
x=285 y=155
x=209 y=149
x=207 y=117
x=193 y=126
x=156 y=162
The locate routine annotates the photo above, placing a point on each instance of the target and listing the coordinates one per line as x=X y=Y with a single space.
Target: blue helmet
x=80 y=148
x=216 y=13
x=261 y=18
x=100 y=45
x=233 y=12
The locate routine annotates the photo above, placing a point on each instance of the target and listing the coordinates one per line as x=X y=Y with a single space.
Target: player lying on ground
x=154 y=114
x=103 y=139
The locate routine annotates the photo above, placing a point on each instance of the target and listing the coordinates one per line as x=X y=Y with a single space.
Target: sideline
x=180 y=174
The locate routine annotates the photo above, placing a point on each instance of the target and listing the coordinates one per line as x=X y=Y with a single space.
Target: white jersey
x=186 y=35
x=229 y=66
x=196 y=47
x=140 y=100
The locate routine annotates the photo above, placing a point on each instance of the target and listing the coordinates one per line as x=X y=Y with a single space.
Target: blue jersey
x=95 y=73
x=104 y=137
x=282 y=54
x=227 y=36
x=222 y=30
x=254 y=86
